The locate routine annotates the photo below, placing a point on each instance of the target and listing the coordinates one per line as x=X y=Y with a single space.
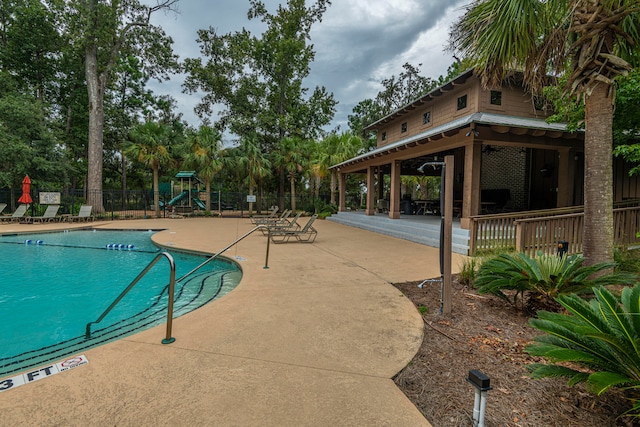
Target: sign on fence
x=49 y=198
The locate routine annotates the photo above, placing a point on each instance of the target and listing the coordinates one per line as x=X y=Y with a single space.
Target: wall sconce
x=474 y=131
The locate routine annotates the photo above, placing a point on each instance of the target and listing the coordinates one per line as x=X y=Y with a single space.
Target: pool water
x=53 y=284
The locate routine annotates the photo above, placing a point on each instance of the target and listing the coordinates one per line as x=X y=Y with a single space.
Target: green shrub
x=627 y=259
x=601 y=336
x=544 y=277
x=469 y=270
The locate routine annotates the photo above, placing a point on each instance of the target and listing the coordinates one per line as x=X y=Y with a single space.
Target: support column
x=447 y=235
x=371 y=190
x=471 y=186
x=394 y=203
x=566 y=172
x=342 y=186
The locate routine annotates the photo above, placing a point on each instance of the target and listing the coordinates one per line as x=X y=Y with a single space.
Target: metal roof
x=462 y=122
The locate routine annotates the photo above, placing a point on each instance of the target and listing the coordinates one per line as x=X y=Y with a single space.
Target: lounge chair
x=2 y=206
x=83 y=215
x=305 y=235
x=272 y=214
x=284 y=225
x=283 y=219
x=17 y=215
x=49 y=215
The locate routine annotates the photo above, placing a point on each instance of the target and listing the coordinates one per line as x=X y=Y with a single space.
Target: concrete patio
x=313 y=340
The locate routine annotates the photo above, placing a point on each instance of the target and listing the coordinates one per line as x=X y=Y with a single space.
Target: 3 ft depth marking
x=42 y=373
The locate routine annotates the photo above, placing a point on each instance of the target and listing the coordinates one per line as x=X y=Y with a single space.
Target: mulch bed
x=486 y=333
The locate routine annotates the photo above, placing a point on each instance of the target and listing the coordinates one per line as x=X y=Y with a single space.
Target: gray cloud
x=357 y=44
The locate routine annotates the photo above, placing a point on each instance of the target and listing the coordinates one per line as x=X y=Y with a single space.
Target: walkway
x=313 y=340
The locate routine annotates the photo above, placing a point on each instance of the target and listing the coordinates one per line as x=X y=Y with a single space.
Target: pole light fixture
x=482 y=384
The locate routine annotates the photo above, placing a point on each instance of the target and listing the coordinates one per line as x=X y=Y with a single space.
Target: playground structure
x=188 y=198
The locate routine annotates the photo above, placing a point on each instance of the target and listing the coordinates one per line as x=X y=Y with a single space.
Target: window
x=384 y=135
x=426 y=118
x=462 y=102
x=404 y=127
x=496 y=97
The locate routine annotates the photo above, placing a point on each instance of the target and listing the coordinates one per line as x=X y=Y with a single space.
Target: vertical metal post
x=172 y=287
x=446 y=246
x=266 y=260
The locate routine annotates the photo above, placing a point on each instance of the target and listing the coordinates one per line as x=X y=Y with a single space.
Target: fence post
x=519 y=236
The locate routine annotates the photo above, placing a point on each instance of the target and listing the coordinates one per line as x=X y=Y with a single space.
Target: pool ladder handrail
x=172 y=283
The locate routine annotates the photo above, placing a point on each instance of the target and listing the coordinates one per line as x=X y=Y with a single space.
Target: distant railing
x=541 y=230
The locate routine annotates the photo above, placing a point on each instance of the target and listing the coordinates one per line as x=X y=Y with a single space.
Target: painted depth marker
x=42 y=373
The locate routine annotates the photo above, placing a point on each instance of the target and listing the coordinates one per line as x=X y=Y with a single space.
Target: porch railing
x=541 y=230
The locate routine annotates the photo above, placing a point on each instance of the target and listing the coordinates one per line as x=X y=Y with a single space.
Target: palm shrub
x=601 y=336
x=545 y=276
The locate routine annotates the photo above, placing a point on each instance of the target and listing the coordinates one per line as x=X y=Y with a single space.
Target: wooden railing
x=541 y=230
x=497 y=233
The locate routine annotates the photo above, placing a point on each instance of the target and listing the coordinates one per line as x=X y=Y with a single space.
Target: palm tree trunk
x=156 y=192
x=333 y=186
x=598 y=179
x=207 y=189
x=292 y=181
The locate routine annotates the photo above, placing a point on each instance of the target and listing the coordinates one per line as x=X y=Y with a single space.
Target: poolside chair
x=49 y=215
x=2 y=206
x=284 y=225
x=272 y=214
x=83 y=215
x=305 y=235
x=272 y=221
x=17 y=215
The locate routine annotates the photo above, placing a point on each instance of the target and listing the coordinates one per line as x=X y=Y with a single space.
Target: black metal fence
x=137 y=204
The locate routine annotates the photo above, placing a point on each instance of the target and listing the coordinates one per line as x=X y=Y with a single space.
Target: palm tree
x=337 y=149
x=201 y=152
x=251 y=163
x=589 y=42
x=290 y=159
x=150 y=146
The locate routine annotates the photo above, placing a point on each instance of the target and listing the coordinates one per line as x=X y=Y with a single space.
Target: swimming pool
x=53 y=284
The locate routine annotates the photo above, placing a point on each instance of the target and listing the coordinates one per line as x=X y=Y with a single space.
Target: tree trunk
x=333 y=186
x=156 y=192
x=95 y=89
x=598 y=179
x=207 y=189
x=292 y=181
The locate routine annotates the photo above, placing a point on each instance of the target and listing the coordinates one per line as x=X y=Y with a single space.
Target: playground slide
x=199 y=203
x=179 y=197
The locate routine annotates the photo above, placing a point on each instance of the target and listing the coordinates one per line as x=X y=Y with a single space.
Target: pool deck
x=313 y=340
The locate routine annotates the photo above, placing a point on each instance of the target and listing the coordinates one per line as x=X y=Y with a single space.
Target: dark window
x=384 y=136
x=426 y=117
x=496 y=97
x=404 y=127
x=462 y=102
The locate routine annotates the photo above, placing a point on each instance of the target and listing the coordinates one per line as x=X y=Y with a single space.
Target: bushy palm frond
x=601 y=336
x=545 y=275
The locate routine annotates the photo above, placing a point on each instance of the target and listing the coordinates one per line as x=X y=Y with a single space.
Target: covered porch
x=501 y=163
x=423 y=229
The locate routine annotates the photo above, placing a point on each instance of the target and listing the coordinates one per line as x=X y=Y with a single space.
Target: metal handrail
x=258 y=227
x=172 y=283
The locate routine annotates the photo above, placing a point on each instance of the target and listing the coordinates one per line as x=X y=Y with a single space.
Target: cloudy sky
x=357 y=44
